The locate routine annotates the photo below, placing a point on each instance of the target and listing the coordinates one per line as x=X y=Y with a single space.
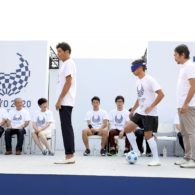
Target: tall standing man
x=66 y=92
x=186 y=104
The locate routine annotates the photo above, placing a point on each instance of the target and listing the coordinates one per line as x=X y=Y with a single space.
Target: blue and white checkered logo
x=13 y=83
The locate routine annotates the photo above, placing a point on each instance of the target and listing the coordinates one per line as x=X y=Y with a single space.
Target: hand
x=148 y=109
x=121 y=134
x=58 y=104
x=131 y=115
x=184 y=108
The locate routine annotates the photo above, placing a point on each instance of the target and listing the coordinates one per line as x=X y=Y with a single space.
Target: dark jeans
x=67 y=129
x=139 y=133
x=115 y=132
x=180 y=137
x=20 y=138
x=1 y=131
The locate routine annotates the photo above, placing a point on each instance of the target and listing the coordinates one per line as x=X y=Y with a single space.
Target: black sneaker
x=103 y=152
x=149 y=154
x=87 y=152
x=44 y=152
x=126 y=151
x=112 y=152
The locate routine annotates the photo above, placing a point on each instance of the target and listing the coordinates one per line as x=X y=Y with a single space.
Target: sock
x=153 y=147
x=132 y=139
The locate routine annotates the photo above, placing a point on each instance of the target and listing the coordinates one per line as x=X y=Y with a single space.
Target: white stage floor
x=92 y=165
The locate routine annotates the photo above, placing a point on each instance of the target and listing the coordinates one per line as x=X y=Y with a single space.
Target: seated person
x=118 y=119
x=178 y=131
x=3 y=119
x=18 y=120
x=42 y=125
x=97 y=121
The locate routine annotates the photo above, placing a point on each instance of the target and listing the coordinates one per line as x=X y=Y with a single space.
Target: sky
x=98 y=28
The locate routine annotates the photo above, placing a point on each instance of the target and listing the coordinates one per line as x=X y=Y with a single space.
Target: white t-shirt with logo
x=3 y=114
x=146 y=88
x=118 y=119
x=96 y=118
x=18 y=117
x=41 y=118
x=67 y=68
x=187 y=72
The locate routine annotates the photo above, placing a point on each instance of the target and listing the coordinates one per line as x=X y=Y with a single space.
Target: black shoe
x=87 y=152
x=112 y=152
x=103 y=152
x=126 y=151
x=149 y=154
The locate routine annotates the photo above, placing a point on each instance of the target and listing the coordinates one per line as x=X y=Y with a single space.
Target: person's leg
x=112 y=134
x=184 y=133
x=36 y=140
x=148 y=150
x=8 y=139
x=129 y=131
x=67 y=130
x=139 y=133
x=189 y=123
x=43 y=139
x=1 y=131
x=150 y=126
x=180 y=138
x=104 y=134
x=20 y=139
x=152 y=144
x=85 y=134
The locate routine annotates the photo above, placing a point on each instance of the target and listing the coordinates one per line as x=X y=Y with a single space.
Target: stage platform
x=92 y=165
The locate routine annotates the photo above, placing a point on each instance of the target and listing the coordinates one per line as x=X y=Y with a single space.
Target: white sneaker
x=154 y=163
x=189 y=164
x=66 y=161
x=181 y=162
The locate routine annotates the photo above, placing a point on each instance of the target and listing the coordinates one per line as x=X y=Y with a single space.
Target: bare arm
x=64 y=91
x=159 y=97
x=136 y=105
x=104 y=124
x=26 y=123
x=2 y=123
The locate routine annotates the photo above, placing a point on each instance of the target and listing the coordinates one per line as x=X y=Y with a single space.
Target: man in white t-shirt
x=3 y=119
x=66 y=92
x=97 y=122
x=186 y=104
x=18 y=120
x=118 y=118
x=42 y=124
x=149 y=94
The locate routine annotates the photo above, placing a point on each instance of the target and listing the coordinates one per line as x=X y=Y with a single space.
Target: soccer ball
x=131 y=157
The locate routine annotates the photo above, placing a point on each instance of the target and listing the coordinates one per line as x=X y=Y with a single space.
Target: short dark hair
x=119 y=97
x=183 y=50
x=140 y=61
x=64 y=46
x=41 y=101
x=95 y=98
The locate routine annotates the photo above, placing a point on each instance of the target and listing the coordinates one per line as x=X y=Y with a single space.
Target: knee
x=111 y=133
x=84 y=132
x=7 y=132
x=41 y=134
x=104 y=132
